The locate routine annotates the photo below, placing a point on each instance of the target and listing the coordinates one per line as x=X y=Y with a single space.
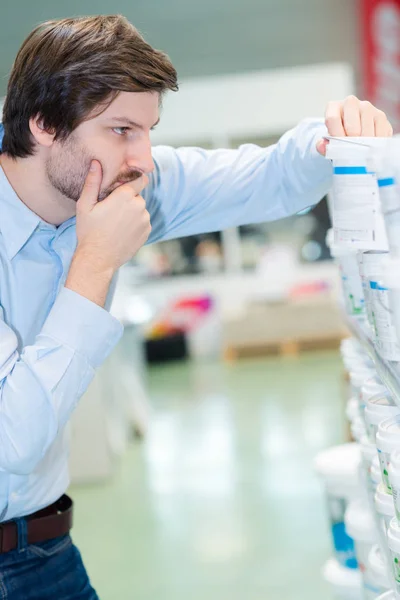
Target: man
x=79 y=182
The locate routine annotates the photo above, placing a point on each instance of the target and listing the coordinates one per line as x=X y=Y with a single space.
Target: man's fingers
x=321 y=146
x=138 y=185
x=333 y=119
x=351 y=116
x=91 y=189
x=382 y=125
x=354 y=118
x=368 y=124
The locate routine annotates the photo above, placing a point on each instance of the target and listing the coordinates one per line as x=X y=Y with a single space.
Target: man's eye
x=121 y=130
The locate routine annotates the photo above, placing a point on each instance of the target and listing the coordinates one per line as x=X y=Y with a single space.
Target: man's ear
x=42 y=136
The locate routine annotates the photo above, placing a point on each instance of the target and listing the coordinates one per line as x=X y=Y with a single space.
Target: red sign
x=381 y=56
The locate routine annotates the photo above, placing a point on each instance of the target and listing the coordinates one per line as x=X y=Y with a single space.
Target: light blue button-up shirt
x=52 y=340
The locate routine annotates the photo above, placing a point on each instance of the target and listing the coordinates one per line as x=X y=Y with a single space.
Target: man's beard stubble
x=67 y=171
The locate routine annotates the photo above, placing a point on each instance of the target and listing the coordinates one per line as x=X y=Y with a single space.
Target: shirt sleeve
x=195 y=191
x=40 y=387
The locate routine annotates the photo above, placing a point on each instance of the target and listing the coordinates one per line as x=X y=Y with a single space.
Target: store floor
x=220 y=502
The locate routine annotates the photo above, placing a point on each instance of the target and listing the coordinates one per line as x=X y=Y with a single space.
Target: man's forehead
x=139 y=107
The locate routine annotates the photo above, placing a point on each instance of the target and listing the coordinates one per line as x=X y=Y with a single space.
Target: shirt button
x=14 y=496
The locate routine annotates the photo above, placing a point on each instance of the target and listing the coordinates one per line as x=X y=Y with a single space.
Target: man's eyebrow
x=126 y=121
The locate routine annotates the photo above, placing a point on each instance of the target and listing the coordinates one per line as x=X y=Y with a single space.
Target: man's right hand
x=111 y=231
x=109 y=234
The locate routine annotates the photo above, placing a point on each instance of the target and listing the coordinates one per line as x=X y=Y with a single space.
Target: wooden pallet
x=283 y=348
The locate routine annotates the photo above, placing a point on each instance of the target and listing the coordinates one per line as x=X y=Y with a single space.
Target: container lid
x=359 y=522
x=395 y=459
x=375 y=472
x=352 y=409
x=388 y=436
x=373 y=260
x=339 y=465
x=330 y=237
x=339 y=576
x=358 y=429
x=374 y=390
x=384 y=502
x=338 y=251
x=355 y=363
x=380 y=408
x=394 y=536
x=385 y=158
x=373 y=255
x=368 y=449
x=387 y=596
x=351 y=346
x=360 y=148
x=378 y=567
x=361 y=374
x=391 y=273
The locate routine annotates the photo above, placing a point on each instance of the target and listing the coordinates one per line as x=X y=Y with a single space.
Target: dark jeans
x=50 y=570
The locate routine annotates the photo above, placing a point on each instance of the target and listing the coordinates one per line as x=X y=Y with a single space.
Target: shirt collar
x=17 y=221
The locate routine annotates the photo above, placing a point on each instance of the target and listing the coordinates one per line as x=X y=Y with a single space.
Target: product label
x=355 y=199
x=351 y=283
x=343 y=544
x=396 y=501
x=384 y=458
x=353 y=301
x=392 y=221
x=386 y=337
x=372 y=430
x=396 y=569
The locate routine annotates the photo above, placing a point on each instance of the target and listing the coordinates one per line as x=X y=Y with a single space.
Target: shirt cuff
x=83 y=325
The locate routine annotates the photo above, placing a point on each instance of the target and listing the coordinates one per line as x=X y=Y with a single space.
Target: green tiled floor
x=220 y=501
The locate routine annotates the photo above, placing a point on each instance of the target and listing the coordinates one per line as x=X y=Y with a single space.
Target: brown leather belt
x=46 y=524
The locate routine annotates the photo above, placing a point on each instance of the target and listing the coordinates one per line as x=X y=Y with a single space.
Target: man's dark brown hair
x=69 y=69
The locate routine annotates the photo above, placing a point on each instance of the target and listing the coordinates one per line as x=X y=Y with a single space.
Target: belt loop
x=22 y=532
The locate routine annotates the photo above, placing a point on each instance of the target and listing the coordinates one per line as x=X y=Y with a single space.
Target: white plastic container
x=386 y=340
x=379 y=406
x=387 y=596
x=368 y=453
x=338 y=468
x=388 y=175
x=352 y=352
x=378 y=579
x=360 y=526
x=357 y=217
x=384 y=508
x=392 y=279
x=387 y=441
x=347 y=262
x=346 y=584
x=352 y=289
x=370 y=264
x=394 y=549
x=359 y=376
x=394 y=477
x=376 y=475
x=352 y=410
x=358 y=429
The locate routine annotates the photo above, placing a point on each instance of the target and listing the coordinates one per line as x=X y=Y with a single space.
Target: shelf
x=388 y=371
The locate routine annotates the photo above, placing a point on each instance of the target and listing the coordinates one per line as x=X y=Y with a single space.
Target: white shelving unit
x=388 y=371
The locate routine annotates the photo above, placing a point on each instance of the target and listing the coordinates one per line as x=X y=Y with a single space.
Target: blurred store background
x=192 y=451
